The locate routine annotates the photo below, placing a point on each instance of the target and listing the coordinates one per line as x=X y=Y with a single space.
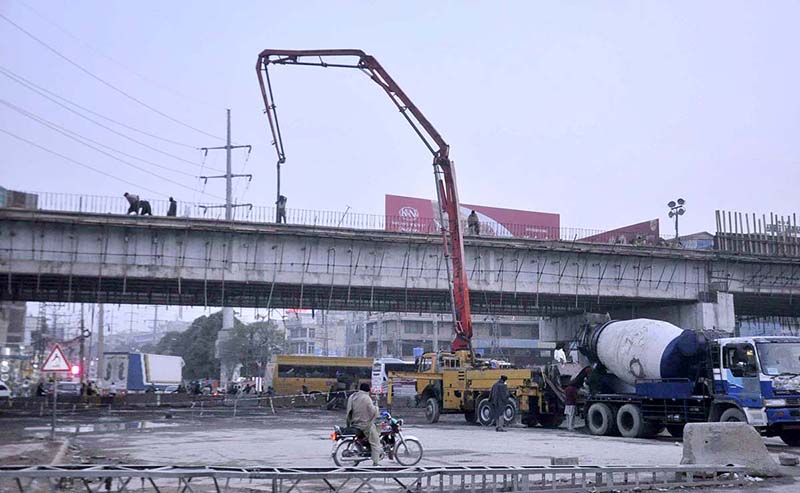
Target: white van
x=380 y=372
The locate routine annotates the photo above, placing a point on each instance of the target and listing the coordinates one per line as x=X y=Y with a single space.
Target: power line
x=110 y=58
x=10 y=74
x=13 y=77
x=34 y=144
x=76 y=139
x=54 y=126
x=105 y=82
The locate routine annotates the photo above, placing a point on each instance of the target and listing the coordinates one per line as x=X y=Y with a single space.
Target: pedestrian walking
x=281 y=208
x=133 y=200
x=173 y=208
x=498 y=398
x=144 y=208
x=473 y=224
x=112 y=390
x=559 y=355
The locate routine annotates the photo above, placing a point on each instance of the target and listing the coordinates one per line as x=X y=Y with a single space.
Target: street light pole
x=676 y=209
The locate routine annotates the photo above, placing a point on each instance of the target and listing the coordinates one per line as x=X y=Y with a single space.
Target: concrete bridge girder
x=243 y=256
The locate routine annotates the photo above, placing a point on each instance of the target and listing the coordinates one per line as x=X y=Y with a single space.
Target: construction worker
x=571 y=396
x=281 y=208
x=498 y=398
x=144 y=208
x=173 y=208
x=133 y=200
x=361 y=414
x=473 y=224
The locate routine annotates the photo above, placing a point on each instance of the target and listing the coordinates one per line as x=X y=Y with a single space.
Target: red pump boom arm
x=443 y=167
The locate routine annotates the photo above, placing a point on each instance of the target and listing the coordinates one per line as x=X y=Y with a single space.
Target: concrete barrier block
x=788 y=460
x=721 y=444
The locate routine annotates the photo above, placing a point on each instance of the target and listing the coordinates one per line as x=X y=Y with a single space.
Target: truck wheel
x=791 y=437
x=471 y=416
x=510 y=411
x=630 y=422
x=485 y=415
x=733 y=415
x=432 y=410
x=600 y=419
x=676 y=430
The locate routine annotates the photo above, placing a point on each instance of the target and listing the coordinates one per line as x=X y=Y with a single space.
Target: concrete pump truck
x=456 y=381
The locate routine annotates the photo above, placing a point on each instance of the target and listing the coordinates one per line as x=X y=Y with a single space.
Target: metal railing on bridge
x=99 y=204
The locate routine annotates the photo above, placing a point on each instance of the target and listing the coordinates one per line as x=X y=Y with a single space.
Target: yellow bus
x=311 y=374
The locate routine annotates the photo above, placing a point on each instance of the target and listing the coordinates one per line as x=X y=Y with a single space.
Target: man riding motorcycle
x=361 y=414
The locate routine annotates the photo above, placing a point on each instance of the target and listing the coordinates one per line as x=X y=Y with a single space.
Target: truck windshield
x=779 y=358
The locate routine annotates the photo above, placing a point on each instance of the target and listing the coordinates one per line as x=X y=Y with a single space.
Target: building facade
x=515 y=339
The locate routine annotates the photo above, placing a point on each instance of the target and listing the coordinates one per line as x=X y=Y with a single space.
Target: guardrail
x=474 y=479
x=307 y=217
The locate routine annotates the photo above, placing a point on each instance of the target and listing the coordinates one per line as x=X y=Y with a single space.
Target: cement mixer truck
x=650 y=375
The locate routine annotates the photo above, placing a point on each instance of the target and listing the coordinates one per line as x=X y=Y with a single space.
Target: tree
x=196 y=346
x=252 y=346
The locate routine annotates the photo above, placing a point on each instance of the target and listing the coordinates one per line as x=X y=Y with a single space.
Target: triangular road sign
x=56 y=361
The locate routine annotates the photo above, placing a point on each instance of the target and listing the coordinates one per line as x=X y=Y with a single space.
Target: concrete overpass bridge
x=81 y=257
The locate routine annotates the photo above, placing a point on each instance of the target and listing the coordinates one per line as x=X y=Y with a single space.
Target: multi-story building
x=321 y=334
x=397 y=334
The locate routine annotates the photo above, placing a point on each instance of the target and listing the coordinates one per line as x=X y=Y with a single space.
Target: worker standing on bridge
x=281 y=208
x=361 y=413
x=498 y=398
x=173 y=208
x=473 y=224
x=133 y=200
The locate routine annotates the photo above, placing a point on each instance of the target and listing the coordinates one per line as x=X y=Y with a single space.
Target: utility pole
x=155 y=325
x=227 y=312
x=101 y=330
x=82 y=353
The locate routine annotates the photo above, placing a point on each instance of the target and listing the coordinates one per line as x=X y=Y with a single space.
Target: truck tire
x=485 y=415
x=791 y=437
x=510 y=411
x=631 y=423
x=600 y=419
x=432 y=410
x=733 y=414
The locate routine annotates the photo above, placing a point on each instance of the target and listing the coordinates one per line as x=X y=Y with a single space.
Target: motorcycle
x=351 y=446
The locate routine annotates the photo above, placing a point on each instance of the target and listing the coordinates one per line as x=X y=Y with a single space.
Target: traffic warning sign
x=56 y=361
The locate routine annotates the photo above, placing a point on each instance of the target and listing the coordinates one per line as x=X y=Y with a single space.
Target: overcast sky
x=599 y=111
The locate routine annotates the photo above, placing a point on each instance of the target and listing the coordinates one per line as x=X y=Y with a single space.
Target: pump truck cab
x=457 y=382
x=650 y=375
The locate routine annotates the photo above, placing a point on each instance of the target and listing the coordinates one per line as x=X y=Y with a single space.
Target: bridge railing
x=102 y=204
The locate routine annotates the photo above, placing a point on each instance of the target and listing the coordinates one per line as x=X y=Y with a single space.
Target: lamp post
x=676 y=209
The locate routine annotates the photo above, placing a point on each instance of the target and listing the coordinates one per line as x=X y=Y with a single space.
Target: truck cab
x=757 y=380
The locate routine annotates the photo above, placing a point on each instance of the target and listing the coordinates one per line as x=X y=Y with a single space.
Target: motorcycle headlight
x=774 y=402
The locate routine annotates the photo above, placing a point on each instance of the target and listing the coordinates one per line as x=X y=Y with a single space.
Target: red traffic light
x=75 y=370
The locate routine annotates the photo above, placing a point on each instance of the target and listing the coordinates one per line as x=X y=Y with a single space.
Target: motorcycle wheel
x=348 y=453
x=408 y=452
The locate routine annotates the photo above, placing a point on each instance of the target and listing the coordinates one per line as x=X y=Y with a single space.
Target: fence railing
x=344 y=219
x=437 y=479
x=100 y=204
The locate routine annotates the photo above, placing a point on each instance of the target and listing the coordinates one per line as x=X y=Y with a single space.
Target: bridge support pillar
x=715 y=313
x=566 y=328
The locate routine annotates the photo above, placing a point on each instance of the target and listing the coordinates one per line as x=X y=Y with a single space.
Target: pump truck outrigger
x=455 y=381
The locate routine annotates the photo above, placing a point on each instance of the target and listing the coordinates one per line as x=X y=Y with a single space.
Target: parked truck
x=459 y=383
x=139 y=372
x=650 y=375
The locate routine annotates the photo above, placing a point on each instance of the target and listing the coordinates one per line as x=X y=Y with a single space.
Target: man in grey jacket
x=361 y=414
x=498 y=398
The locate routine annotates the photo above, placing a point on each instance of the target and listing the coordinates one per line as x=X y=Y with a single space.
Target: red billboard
x=415 y=215
x=644 y=233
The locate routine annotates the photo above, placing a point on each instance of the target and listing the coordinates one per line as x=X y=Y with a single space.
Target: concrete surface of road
x=301 y=438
